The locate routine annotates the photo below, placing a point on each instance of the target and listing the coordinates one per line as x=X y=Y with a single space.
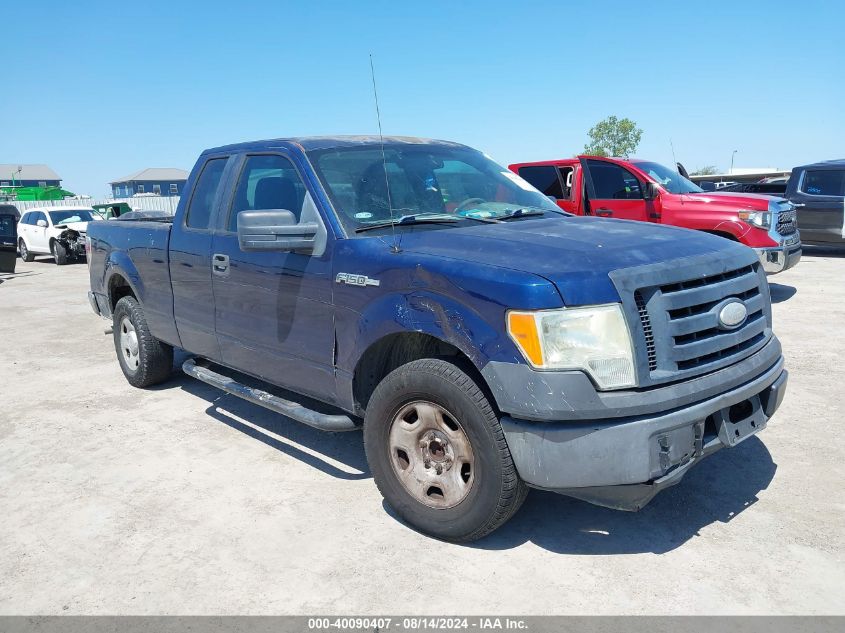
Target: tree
x=613 y=137
x=707 y=170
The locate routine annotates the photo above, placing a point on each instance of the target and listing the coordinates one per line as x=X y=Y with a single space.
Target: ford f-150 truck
x=634 y=189
x=486 y=341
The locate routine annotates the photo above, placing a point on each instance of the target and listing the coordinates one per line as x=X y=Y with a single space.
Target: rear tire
x=438 y=453
x=144 y=359
x=26 y=255
x=59 y=253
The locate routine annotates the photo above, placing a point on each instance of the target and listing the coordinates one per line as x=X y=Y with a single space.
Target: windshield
x=66 y=217
x=671 y=180
x=457 y=182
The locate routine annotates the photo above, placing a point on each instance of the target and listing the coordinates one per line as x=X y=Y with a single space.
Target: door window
x=7 y=225
x=613 y=182
x=205 y=192
x=545 y=178
x=828 y=182
x=26 y=219
x=267 y=182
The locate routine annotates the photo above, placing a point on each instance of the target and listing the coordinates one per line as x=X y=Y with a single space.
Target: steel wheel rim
x=129 y=344
x=431 y=455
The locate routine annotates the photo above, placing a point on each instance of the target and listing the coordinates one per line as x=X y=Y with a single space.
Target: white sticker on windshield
x=363 y=215
x=522 y=184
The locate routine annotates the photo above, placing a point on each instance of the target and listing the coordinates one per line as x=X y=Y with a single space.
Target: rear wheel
x=59 y=253
x=438 y=454
x=24 y=251
x=144 y=359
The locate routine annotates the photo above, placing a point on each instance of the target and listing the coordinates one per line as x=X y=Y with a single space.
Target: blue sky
x=101 y=89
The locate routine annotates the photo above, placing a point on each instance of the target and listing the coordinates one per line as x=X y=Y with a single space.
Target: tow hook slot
x=740 y=421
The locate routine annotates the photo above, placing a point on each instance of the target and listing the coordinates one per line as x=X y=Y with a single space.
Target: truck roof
x=328 y=142
x=838 y=163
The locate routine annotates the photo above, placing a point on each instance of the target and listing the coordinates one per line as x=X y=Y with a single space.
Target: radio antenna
x=675 y=160
x=394 y=248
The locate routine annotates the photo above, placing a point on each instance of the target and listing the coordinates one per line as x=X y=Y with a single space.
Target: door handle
x=220 y=264
x=604 y=213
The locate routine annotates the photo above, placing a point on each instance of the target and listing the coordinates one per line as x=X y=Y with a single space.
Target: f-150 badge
x=355 y=280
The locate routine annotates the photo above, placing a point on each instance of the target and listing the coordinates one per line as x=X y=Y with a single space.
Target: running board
x=293 y=410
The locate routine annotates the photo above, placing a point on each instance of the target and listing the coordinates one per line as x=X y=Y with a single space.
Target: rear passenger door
x=820 y=198
x=190 y=262
x=612 y=191
x=274 y=313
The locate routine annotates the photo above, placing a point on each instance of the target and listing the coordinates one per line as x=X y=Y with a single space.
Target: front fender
x=420 y=311
x=432 y=313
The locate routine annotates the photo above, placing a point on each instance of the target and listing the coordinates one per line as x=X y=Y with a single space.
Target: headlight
x=760 y=219
x=595 y=340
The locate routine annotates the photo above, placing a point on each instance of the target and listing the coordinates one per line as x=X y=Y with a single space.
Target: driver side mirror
x=651 y=191
x=274 y=230
x=41 y=223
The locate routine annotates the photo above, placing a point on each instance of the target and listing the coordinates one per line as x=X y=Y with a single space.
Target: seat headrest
x=276 y=192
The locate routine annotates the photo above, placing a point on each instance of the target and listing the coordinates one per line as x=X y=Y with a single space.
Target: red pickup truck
x=633 y=189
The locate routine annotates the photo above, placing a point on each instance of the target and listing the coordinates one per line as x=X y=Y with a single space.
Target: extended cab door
x=274 y=312
x=190 y=261
x=820 y=198
x=612 y=191
x=553 y=180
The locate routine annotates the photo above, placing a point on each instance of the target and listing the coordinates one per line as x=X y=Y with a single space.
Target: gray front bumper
x=623 y=463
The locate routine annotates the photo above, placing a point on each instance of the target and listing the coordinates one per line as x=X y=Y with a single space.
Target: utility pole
x=732 y=161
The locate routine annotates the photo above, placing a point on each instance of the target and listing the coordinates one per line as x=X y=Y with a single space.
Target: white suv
x=56 y=231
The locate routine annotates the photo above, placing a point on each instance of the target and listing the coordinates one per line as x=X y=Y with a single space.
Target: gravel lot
x=182 y=500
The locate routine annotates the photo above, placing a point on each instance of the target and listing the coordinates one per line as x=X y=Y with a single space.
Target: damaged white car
x=56 y=231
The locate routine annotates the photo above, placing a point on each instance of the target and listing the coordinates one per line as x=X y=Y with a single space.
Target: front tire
x=59 y=253
x=144 y=359
x=26 y=255
x=438 y=453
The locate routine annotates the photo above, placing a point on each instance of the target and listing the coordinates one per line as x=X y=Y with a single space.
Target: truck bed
x=135 y=251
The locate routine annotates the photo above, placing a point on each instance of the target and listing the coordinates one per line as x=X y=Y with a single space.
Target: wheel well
x=395 y=350
x=724 y=234
x=119 y=288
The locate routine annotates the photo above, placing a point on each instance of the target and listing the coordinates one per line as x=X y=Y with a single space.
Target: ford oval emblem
x=733 y=314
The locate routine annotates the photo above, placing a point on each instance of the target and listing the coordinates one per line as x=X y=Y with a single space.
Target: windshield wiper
x=434 y=218
x=521 y=213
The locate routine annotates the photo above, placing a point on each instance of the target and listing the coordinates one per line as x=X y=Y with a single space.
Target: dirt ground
x=181 y=500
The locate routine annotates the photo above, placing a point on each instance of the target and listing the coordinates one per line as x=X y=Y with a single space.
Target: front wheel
x=59 y=253
x=26 y=255
x=438 y=453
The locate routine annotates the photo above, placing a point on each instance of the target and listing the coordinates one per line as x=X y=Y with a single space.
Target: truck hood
x=752 y=201
x=575 y=253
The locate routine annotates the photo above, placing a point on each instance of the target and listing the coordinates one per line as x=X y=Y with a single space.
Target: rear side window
x=545 y=178
x=267 y=182
x=7 y=225
x=205 y=193
x=613 y=182
x=828 y=182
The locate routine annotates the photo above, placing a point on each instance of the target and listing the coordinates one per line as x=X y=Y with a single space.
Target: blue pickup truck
x=486 y=341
